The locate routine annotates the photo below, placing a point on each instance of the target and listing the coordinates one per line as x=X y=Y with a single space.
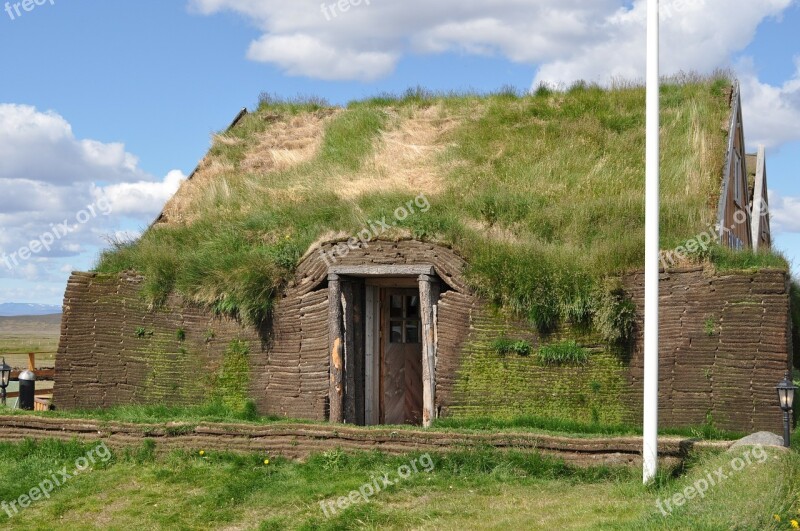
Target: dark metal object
x=786 y=391
x=5 y=376
x=27 y=390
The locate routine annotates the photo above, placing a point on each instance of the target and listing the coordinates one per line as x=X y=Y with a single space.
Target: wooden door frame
x=373 y=353
x=429 y=288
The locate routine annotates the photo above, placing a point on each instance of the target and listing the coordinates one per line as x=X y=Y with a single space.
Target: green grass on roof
x=543 y=194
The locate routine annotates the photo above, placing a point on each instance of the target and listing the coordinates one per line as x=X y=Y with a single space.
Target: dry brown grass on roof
x=405 y=157
x=209 y=174
x=287 y=143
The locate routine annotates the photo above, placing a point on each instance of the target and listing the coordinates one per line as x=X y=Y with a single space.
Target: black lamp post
x=5 y=376
x=786 y=399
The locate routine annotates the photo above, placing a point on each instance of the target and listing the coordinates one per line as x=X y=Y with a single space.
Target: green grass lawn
x=476 y=490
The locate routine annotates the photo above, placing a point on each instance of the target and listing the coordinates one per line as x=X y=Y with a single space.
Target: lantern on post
x=786 y=391
x=5 y=376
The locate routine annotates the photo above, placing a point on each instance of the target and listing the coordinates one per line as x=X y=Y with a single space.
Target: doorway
x=382 y=343
x=401 y=357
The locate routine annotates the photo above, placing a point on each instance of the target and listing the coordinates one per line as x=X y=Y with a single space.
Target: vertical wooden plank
x=370 y=391
x=377 y=349
x=368 y=353
x=427 y=301
x=358 y=350
x=436 y=329
x=381 y=355
x=336 y=389
x=349 y=352
x=413 y=384
x=393 y=388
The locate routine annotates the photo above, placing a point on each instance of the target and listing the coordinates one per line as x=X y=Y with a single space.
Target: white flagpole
x=650 y=418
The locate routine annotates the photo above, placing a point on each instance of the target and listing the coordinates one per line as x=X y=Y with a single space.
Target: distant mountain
x=14 y=309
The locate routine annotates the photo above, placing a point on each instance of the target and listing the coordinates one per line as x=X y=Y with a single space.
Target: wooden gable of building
x=734 y=214
x=761 y=233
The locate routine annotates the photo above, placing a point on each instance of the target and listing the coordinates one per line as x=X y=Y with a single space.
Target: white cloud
x=567 y=39
x=72 y=248
x=40 y=146
x=142 y=198
x=49 y=177
x=24 y=196
x=690 y=40
x=771 y=113
x=29 y=271
x=33 y=292
x=367 y=41
x=784 y=213
x=126 y=235
x=304 y=55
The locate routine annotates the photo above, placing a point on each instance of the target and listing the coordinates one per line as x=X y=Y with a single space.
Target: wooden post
x=335 y=337
x=372 y=357
x=32 y=361
x=427 y=297
x=349 y=377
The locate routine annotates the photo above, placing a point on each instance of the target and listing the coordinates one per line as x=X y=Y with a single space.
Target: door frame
x=341 y=348
x=373 y=354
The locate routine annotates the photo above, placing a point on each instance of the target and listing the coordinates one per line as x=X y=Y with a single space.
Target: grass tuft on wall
x=563 y=353
x=505 y=346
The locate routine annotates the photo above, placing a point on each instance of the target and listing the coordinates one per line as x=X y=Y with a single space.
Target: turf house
x=411 y=258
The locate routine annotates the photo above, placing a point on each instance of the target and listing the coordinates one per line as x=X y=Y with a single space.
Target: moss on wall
x=116 y=350
x=230 y=385
x=171 y=377
x=505 y=385
x=175 y=369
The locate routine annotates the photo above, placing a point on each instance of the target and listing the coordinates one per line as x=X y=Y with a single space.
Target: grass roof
x=543 y=193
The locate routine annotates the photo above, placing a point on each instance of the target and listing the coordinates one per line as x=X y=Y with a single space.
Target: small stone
x=762 y=438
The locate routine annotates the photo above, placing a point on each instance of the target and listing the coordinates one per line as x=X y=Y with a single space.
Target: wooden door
x=401 y=365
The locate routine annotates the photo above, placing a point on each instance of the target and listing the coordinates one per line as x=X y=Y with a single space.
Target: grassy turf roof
x=543 y=194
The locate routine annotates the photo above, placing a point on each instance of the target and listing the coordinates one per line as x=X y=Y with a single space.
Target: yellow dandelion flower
x=202 y=452
x=777 y=517
x=795 y=524
x=266 y=461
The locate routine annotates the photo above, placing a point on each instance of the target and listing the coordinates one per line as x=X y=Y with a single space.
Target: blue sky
x=111 y=103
